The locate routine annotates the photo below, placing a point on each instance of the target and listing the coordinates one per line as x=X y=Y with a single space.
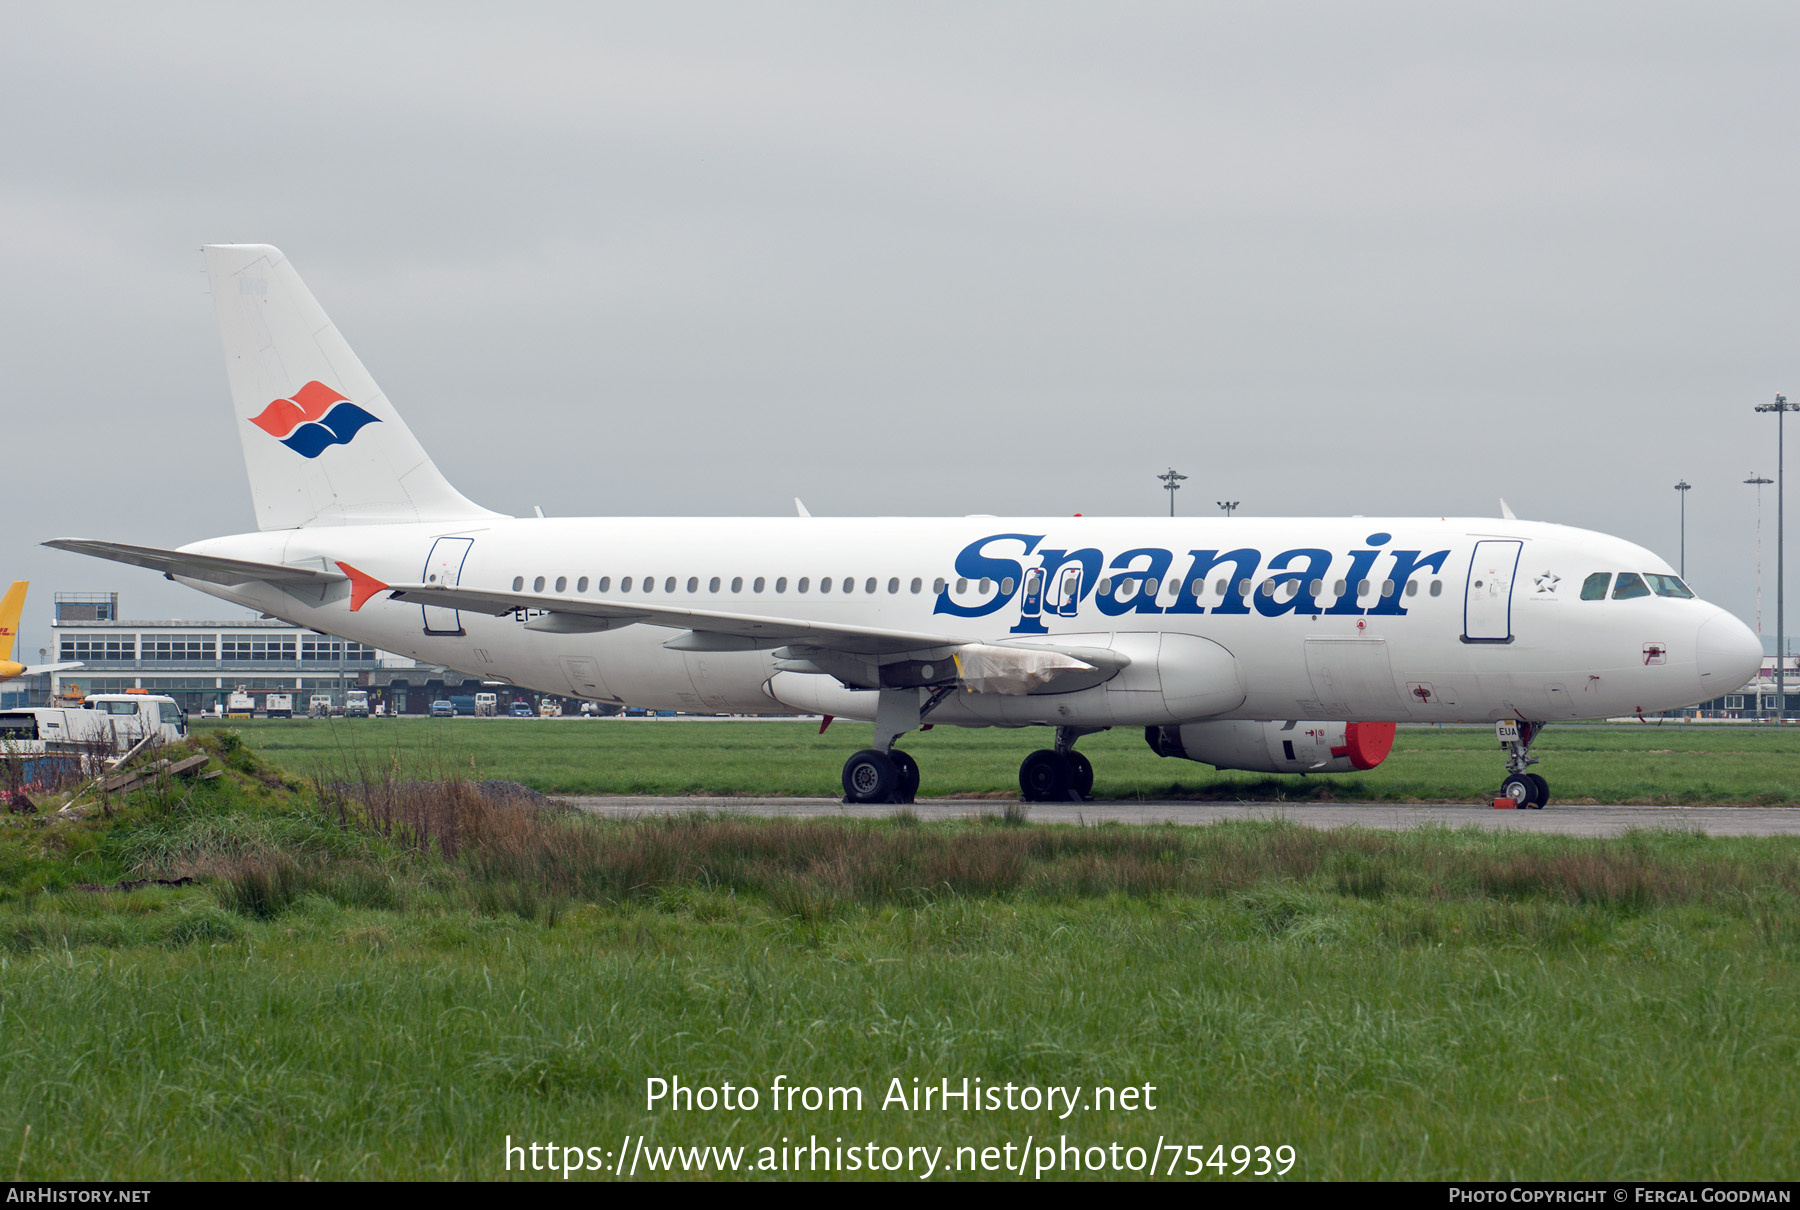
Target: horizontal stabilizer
x=210 y=568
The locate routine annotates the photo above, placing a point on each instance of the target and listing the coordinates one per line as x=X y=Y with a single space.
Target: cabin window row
x=671 y=584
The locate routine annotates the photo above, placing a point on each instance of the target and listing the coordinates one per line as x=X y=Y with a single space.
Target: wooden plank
x=183 y=767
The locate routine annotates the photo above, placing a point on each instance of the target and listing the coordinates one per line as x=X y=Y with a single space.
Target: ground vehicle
x=321 y=705
x=279 y=705
x=549 y=708
x=487 y=705
x=240 y=704
x=106 y=722
x=443 y=708
x=521 y=709
x=463 y=704
x=356 y=703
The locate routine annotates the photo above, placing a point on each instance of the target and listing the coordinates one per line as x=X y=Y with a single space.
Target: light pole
x=1683 y=487
x=1172 y=484
x=1229 y=506
x=1759 y=481
x=1781 y=407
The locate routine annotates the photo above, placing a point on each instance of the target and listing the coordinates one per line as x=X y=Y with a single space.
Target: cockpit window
x=1594 y=587
x=1669 y=586
x=1630 y=586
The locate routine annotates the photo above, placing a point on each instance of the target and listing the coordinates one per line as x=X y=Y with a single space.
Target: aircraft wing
x=198 y=567
x=571 y=614
x=40 y=669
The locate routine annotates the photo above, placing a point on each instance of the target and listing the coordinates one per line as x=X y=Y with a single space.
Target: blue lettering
x=1360 y=563
x=1141 y=601
x=1318 y=564
x=972 y=564
x=1244 y=562
x=1406 y=562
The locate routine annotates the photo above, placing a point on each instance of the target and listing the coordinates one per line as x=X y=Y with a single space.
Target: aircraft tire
x=870 y=776
x=908 y=770
x=1045 y=776
x=1518 y=787
x=1540 y=790
x=1082 y=774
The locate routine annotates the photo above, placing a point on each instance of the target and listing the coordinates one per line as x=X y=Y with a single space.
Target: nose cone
x=1728 y=655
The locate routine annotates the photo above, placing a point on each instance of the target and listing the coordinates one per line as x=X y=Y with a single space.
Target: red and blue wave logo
x=314 y=419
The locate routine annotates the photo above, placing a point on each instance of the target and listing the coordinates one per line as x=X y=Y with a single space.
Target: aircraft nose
x=1728 y=654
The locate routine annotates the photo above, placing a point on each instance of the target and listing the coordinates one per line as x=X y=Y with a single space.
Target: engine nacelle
x=1281 y=747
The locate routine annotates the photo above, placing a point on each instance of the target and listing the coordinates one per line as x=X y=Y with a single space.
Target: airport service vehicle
x=320 y=706
x=487 y=705
x=1240 y=642
x=521 y=710
x=239 y=704
x=279 y=705
x=549 y=708
x=356 y=703
x=112 y=723
x=442 y=709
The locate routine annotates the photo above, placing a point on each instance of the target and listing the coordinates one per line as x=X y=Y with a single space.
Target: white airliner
x=1283 y=644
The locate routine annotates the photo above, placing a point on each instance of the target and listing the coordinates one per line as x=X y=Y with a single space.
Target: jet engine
x=1278 y=747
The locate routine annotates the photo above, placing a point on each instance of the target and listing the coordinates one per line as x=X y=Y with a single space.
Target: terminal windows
x=256 y=649
x=118 y=648
x=178 y=647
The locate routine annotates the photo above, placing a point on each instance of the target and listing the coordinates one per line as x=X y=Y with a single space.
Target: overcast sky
x=924 y=258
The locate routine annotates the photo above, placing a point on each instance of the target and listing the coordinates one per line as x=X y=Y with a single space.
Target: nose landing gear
x=1526 y=789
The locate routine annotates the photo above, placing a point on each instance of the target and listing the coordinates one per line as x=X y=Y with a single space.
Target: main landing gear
x=884 y=774
x=1525 y=788
x=1058 y=774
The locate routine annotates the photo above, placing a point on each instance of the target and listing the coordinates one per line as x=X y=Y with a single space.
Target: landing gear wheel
x=870 y=776
x=1518 y=787
x=1540 y=791
x=1082 y=770
x=1046 y=776
x=908 y=770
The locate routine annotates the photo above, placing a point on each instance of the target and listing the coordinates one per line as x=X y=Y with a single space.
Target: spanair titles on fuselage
x=1053 y=578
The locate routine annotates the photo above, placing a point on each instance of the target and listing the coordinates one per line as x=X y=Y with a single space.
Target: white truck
x=279 y=705
x=106 y=723
x=356 y=703
x=321 y=705
x=487 y=705
x=240 y=704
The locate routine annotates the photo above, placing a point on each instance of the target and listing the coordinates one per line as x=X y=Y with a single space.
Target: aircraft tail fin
x=322 y=444
x=11 y=606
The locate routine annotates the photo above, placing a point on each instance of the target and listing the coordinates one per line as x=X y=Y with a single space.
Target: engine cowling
x=1278 y=747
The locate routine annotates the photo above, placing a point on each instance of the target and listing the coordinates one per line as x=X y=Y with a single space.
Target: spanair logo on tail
x=312 y=420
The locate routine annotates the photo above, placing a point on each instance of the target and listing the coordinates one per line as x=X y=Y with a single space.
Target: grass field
x=1619 y=764
x=391 y=986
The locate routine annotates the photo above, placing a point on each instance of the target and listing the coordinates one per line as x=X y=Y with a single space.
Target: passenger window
x=781 y=584
x=1412 y=588
x=537 y=585
x=1594 y=587
x=801 y=586
x=1437 y=588
x=824 y=584
x=869 y=586
x=562 y=583
x=1006 y=586
x=649 y=583
x=693 y=583
x=518 y=583
x=962 y=586
x=916 y=583
x=1152 y=586
x=669 y=585
x=937 y=585
x=712 y=585
x=1268 y=588
x=1337 y=589
x=1198 y=587
x=849 y=584
x=984 y=585
x=737 y=583
x=1362 y=588
x=581 y=584
x=604 y=584
x=625 y=584
x=756 y=585
x=1387 y=588
x=1219 y=589
x=1668 y=586
x=1630 y=586
x=1243 y=588
x=894 y=585
x=1318 y=586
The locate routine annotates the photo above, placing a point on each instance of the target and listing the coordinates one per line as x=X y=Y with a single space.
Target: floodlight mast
x=1227 y=506
x=1781 y=407
x=1172 y=484
x=1759 y=481
x=1683 y=487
